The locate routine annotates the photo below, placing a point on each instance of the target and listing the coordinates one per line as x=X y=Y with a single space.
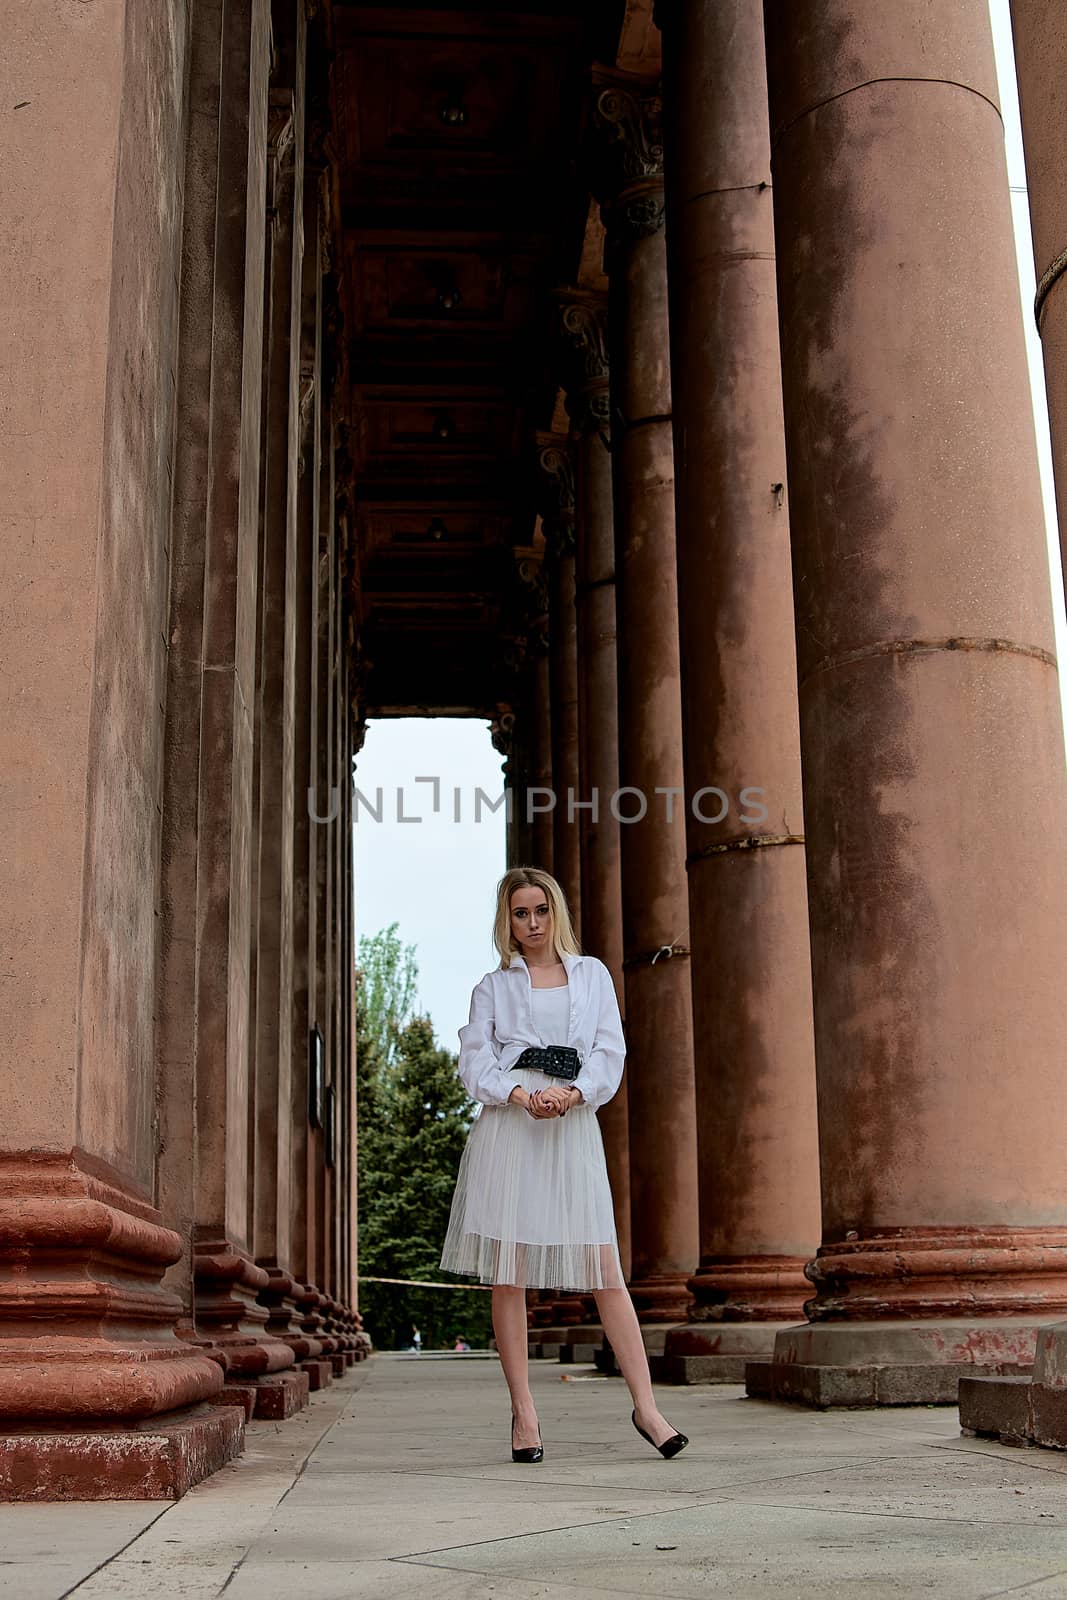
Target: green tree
x=390 y=984
x=414 y=1116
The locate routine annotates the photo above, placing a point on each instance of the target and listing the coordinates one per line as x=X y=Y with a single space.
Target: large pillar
x=662 y=1110
x=227 y=1281
x=276 y=711
x=934 y=793
x=1005 y=1407
x=1040 y=31
x=752 y=1013
x=556 y=471
x=95 y=1388
x=584 y=324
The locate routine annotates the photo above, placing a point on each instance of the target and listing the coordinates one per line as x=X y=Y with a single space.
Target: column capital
x=533 y=606
x=502 y=731
x=627 y=175
x=583 y=321
x=280 y=125
x=555 y=493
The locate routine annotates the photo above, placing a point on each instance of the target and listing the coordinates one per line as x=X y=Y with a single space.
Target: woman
x=532 y=1206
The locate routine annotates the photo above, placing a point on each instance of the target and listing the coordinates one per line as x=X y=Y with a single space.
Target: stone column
x=362 y=1342
x=527 y=661
x=584 y=323
x=752 y=1010
x=271 y=1015
x=95 y=1388
x=662 y=1111
x=1040 y=31
x=537 y=808
x=321 y=803
x=556 y=476
x=929 y=708
x=286 y=1292
x=227 y=1280
x=1006 y=1407
x=506 y=732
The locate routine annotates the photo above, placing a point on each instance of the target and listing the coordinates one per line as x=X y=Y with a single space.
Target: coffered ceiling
x=462 y=206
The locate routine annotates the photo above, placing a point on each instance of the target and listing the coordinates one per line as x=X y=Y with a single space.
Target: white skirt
x=532 y=1205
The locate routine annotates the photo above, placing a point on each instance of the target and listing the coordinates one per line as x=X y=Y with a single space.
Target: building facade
x=653 y=388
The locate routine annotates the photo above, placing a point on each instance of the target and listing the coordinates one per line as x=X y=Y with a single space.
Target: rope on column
x=1049 y=278
x=650 y=957
x=751 y=841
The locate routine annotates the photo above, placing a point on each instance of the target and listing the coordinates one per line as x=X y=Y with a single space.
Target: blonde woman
x=532 y=1206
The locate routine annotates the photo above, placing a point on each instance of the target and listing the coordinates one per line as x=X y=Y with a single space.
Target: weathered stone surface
x=319 y=1373
x=157 y=1460
x=927 y=688
x=655 y=905
x=752 y=1006
x=281 y=1395
x=996 y=1408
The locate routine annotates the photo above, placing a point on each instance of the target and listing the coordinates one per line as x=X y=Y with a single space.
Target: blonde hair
x=563 y=940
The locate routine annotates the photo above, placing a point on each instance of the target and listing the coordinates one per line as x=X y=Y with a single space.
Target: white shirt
x=552 y=1013
x=502 y=1026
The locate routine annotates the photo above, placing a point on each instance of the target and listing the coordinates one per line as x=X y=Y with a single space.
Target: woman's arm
x=601 y=1071
x=479 y=1059
x=479 y=1053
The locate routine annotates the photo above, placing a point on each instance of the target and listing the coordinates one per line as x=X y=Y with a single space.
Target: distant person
x=532 y=1205
x=461 y=1344
x=416 y=1340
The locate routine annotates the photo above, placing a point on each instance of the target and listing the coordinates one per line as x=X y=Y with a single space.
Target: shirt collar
x=569 y=962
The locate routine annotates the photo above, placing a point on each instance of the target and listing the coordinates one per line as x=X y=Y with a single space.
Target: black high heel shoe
x=670 y=1447
x=530 y=1453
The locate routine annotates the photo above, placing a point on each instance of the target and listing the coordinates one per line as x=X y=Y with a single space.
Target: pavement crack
x=114 y=1554
x=536 y=1533
x=1021 y=1588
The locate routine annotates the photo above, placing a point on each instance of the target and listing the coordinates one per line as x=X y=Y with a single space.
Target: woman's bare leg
x=623 y=1332
x=512 y=1341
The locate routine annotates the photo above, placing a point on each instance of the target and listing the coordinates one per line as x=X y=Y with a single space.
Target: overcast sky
x=436 y=877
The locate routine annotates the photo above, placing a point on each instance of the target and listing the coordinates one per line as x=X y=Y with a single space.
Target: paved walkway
x=397 y=1482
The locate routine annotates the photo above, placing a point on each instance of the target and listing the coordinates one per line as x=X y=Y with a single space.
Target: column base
x=231 y=1323
x=661 y=1300
x=749 y=1289
x=569 y=1311
x=319 y=1373
x=239 y=1394
x=715 y=1352
x=852 y=1364
x=159 y=1459
x=282 y=1313
x=281 y=1395
x=1024 y=1410
x=654 y=1337
x=580 y=1344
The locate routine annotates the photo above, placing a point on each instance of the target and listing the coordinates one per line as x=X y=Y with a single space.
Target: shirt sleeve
x=479 y=1053
x=601 y=1071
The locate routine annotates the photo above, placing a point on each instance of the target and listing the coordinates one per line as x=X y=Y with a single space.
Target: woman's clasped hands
x=544 y=1103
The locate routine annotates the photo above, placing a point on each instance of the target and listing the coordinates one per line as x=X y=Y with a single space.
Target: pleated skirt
x=532 y=1204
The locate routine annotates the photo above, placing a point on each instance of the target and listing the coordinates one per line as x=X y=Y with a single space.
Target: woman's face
x=531 y=920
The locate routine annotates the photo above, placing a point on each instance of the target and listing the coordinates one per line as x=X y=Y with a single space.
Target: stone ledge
x=1015 y=1411
x=714 y=1351
x=578 y=1354
x=158 y=1460
x=996 y=1408
x=827 y=1387
x=699 y=1369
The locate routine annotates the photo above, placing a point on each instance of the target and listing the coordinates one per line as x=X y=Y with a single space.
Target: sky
x=436 y=878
